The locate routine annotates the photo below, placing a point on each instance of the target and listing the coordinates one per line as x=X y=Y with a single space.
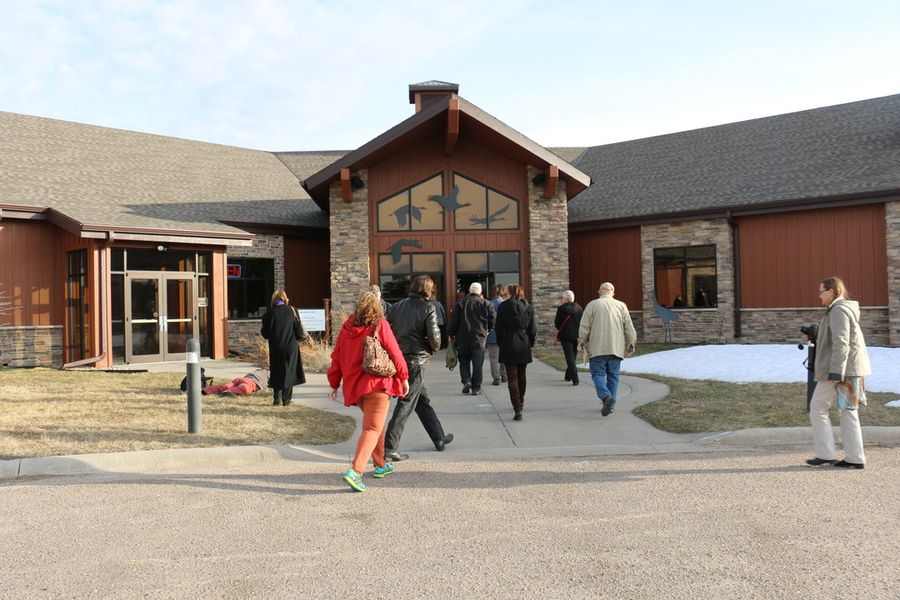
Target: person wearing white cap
x=472 y=319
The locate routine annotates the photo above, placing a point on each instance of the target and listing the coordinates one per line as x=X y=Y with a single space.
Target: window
x=251 y=283
x=686 y=276
x=395 y=277
x=77 y=315
x=483 y=208
x=487 y=268
x=412 y=209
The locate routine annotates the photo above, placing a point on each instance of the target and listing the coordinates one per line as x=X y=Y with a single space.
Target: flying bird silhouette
x=405 y=211
x=397 y=248
x=490 y=218
x=450 y=203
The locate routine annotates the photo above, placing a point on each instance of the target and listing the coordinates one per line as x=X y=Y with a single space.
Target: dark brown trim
x=273 y=229
x=346 y=191
x=736 y=272
x=742 y=210
x=452 y=126
x=551 y=182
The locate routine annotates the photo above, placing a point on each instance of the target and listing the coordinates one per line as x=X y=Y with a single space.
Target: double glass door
x=160 y=315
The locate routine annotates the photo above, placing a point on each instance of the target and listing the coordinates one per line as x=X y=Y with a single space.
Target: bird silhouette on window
x=450 y=203
x=397 y=248
x=407 y=210
x=490 y=218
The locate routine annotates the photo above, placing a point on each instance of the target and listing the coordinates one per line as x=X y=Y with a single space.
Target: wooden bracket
x=346 y=191
x=452 y=126
x=551 y=181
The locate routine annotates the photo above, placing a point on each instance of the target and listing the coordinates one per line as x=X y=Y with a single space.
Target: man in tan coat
x=608 y=335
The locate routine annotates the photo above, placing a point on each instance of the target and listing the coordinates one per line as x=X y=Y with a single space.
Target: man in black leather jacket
x=414 y=323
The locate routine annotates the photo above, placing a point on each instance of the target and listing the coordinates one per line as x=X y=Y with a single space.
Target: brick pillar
x=892 y=230
x=548 y=240
x=349 y=230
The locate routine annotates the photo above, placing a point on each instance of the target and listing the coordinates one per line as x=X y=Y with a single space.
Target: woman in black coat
x=281 y=325
x=516 y=331
x=568 y=319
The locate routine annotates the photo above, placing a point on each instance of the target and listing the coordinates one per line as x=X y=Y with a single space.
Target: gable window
x=251 y=283
x=483 y=208
x=685 y=277
x=413 y=209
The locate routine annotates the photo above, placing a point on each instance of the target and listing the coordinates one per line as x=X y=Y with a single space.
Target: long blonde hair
x=368 y=309
x=280 y=295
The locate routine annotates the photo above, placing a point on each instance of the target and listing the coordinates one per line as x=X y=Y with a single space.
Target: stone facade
x=264 y=246
x=548 y=241
x=34 y=346
x=714 y=325
x=349 y=231
x=768 y=326
x=892 y=230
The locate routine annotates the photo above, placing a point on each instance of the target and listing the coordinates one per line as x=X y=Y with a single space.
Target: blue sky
x=319 y=75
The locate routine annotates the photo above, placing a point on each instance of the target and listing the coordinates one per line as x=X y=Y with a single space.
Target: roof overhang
x=451 y=116
x=117 y=233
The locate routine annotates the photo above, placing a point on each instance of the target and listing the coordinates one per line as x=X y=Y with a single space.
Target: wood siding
x=307 y=278
x=783 y=256
x=612 y=255
x=32 y=272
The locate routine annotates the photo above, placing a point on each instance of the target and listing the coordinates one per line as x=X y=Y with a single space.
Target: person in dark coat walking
x=281 y=325
x=568 y=319
x=516 y=331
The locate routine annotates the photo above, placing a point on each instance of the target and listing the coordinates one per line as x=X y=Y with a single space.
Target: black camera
x=810 y=331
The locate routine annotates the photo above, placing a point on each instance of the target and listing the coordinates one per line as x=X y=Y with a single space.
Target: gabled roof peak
x=432 y=87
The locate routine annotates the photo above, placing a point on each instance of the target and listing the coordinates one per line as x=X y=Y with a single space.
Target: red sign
x=233 y=271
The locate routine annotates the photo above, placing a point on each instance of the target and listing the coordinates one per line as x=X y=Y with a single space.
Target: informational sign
x=313 y=318
x=233 y=271
x=202 y=302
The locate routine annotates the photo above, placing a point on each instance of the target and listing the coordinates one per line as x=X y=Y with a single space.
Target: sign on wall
x=313 y=318
x=233 y=271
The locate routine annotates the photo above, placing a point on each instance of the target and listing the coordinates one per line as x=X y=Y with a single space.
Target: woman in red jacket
x=369 y=392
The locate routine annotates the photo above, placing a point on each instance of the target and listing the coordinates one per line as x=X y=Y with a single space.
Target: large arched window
x=480 y=207
x=412 y=209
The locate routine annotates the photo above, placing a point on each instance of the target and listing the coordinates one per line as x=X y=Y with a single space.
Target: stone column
x=892 y=232
x=349 y=230
x=548 y=240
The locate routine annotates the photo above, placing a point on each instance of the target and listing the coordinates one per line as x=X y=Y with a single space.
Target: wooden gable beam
x=551 y=181
x=346 y=191
x=452 y=127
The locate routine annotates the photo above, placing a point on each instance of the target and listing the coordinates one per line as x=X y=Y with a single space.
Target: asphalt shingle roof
x=114 y=178
x=849 y=148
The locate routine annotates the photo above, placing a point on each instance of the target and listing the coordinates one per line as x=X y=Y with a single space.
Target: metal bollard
x=194 y=381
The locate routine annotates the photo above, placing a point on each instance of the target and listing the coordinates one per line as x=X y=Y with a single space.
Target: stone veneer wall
x=714 y=325
x=32 y=346
x=243 y=334
x=548 y=240
x=349 y=232
x=768 y=326
x=892 y=230
x=264 y=246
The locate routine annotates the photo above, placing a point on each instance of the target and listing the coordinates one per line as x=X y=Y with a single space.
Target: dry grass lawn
x=698 y=406
x=45 y=412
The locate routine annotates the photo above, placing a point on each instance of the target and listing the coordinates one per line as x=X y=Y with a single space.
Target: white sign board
x=313 y=318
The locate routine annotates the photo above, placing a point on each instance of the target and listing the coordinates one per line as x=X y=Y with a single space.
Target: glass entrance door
x=161 y=315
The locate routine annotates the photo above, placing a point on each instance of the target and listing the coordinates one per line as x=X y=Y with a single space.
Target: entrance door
x=160 y=315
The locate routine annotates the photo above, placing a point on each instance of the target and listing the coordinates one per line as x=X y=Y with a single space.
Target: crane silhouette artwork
x=490 y=218
x=450 y=203
x=397 y=248
x=407 y=210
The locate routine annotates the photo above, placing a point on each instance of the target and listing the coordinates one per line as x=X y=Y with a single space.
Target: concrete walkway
x=561 y=420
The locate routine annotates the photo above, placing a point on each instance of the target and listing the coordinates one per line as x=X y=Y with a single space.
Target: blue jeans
x=605 y=373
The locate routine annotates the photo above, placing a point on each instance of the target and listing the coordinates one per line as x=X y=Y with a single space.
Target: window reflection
x=412 y=209
x=482 y=208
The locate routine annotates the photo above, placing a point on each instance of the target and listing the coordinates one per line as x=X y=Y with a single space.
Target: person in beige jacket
x=608 y=334
x=841 y=361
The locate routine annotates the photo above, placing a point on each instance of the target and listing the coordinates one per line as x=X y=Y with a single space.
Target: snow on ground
x=742 y=363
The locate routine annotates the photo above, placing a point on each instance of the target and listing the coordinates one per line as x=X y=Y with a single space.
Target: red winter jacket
x=346 y=362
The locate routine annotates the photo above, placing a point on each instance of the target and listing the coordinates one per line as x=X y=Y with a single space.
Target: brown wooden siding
x=612 y=255
x=783 y=256
x=306 y=270
x=219 y=288
x=32 y=272
x=426 y=160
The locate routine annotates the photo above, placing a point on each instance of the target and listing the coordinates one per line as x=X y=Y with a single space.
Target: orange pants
x=375 y=407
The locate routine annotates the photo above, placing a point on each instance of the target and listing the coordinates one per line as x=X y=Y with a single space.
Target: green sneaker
x=354 y=480
x=384 y=471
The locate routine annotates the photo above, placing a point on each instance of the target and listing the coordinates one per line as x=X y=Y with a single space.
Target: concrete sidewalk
x=560 y=420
